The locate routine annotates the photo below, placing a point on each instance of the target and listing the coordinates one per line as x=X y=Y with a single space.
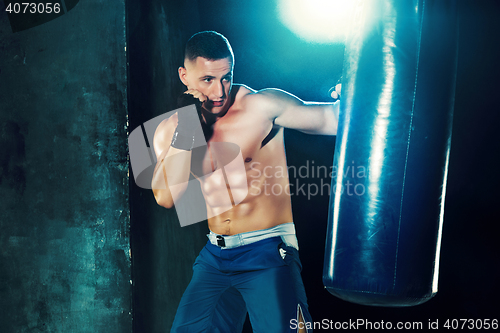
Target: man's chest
x=234 y=136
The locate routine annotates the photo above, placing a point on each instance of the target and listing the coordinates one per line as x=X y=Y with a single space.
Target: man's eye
x=207 y=80
x=227 y=78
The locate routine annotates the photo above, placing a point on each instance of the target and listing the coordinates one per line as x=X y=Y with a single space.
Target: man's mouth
x=217 y=104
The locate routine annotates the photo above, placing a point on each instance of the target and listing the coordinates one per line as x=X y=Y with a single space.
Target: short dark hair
x=210 y=45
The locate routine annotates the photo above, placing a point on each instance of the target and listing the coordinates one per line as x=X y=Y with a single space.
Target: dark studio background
x=69 y=216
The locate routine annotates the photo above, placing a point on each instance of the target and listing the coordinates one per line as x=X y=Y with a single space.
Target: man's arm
x=291 y=112
x=173 y=165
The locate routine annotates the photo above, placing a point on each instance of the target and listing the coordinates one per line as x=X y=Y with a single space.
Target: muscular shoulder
x=268 y=102
x=242 y=98
x=248 y=101
x=240 y=91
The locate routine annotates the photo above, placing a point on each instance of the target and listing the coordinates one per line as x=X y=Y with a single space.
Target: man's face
x=213 y=78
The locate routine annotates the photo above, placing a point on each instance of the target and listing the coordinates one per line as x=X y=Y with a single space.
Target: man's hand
x=193 y=96
x=196 y=94
x=335 y=91
x=187 y=121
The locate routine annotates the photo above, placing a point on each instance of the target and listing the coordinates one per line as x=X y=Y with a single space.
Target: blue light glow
x=316 y=21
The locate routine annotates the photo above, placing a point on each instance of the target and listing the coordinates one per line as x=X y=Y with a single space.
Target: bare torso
x=267 y=202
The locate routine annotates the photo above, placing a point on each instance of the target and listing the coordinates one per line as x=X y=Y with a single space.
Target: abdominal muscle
x=231 y=212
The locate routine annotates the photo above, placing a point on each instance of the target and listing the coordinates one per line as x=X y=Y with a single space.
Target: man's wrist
x=182 y=141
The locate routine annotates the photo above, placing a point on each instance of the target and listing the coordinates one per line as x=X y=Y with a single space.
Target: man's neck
x=209 y=117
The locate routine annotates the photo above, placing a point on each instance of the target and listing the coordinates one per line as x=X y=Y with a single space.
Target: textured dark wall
x=162 y=251
x=64 y=221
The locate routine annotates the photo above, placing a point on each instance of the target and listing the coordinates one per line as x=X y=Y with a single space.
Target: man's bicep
x=291 y=112
x=272 y=103
x=287 y=110
x=163 y=136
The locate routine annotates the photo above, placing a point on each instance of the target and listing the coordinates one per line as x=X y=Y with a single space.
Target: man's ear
x=182 y=75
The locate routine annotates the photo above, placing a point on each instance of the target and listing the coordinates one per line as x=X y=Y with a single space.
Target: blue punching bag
x=391 y=159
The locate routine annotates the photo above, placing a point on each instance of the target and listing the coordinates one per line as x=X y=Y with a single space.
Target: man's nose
x=218 y=89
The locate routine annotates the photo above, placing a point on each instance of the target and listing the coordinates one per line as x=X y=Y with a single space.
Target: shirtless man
x=250 y=262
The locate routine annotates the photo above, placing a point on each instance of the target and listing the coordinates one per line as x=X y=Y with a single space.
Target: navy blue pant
x=258 y=278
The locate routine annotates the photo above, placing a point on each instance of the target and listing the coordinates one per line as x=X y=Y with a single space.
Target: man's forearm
x=330 y=118
x=171 y=176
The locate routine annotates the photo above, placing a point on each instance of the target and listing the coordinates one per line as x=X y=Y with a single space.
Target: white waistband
x=285 y=230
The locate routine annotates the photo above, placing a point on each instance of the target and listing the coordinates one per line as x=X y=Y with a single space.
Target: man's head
x=208 y=68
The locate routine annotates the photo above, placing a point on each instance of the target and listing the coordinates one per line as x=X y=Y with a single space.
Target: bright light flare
x=316 y=21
